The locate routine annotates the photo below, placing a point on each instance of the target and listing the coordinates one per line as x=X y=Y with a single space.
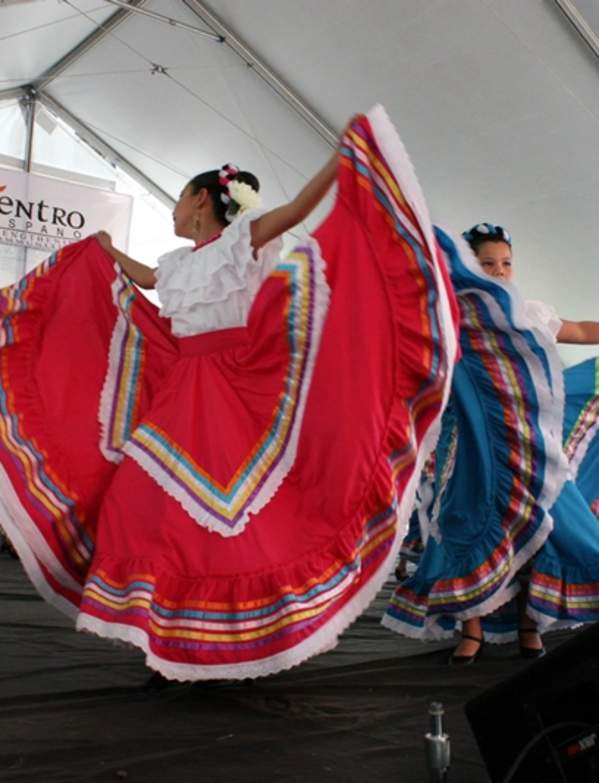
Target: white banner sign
x=46 y=214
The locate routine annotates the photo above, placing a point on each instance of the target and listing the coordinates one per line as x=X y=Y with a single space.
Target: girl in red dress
x=225 y=482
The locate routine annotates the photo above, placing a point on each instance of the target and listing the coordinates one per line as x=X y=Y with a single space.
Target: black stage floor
x=73 y=708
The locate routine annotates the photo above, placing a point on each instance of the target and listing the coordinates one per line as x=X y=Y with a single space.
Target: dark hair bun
x=224 y=210
x=486 y=232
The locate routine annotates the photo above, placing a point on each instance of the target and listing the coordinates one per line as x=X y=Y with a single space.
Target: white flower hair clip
x=244 y=196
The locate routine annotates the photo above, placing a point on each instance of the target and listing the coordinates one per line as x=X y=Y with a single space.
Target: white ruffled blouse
x=544 y=316
x=213 y=288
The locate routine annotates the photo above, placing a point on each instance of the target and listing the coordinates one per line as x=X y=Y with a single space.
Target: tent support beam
x=28 y=106
x=283 y=90
x=580 y=24
x=104 y=149
x=12 y=93
x=28 y=100
x=166 y=20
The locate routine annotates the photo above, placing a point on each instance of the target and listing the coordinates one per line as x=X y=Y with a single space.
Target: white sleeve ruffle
x=543 y=315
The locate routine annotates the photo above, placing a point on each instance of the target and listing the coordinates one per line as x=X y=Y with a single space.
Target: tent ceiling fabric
x=34 y=35
x=497 y=101
x=183 y=121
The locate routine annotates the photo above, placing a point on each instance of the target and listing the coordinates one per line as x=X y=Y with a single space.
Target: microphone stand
x=436 y=746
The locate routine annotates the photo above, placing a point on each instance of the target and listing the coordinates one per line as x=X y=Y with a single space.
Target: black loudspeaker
x=548 y=713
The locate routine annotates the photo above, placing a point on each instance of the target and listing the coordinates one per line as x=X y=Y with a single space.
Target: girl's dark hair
x=486 y=232
x=210 y=180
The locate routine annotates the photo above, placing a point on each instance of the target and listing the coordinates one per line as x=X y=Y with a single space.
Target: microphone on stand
x=436 y=745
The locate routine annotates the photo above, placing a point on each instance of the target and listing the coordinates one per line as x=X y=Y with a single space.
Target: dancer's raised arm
x=279 y=220
x=282 y=219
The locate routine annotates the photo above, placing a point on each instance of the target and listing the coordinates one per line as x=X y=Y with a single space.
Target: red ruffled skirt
x=230 y=502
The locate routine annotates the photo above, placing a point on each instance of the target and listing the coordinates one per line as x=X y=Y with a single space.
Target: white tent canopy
x=496 y=100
